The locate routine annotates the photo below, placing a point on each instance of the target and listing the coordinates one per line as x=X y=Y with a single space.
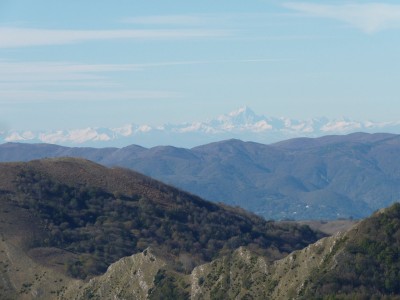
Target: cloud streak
x=63 y=71
x=44 y=82
x=368 y=17
x=57 y=71
x=167 y=20
x=35 y=96
x=12 y=37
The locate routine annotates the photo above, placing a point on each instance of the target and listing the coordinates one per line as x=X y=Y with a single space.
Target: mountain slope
x=326 y=178
x=129 y=278
x=50 y=212
x=76 y=217
x=361 y=263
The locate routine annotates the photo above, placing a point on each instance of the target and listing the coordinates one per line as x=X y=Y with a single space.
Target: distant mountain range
x=330 y=177
x=242 y=124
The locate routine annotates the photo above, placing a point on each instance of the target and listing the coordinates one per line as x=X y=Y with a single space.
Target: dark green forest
x=102 y=226
x=367 y=264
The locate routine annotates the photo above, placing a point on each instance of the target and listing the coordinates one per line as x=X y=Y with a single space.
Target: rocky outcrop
x=245 y=275
x=129 y=278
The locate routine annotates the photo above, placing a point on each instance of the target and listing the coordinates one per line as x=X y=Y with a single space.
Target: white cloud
x=125 y=130
x=368 y=17
x=261 y=126
x=17 y=137
x=12 y=37
x=144 y=128
x=75 y=136
x=197 y=127
x=341 y=126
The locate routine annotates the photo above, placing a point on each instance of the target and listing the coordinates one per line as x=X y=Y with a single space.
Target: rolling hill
x=361 y=263
x=65 y=219
x=323 y=178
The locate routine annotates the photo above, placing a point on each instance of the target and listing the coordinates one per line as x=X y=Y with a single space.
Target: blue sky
x=70 y=64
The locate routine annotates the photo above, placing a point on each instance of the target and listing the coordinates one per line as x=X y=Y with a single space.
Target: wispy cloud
x=45 y=96
x=167 y=20
x=57 y=71
x=12 y=37
x=11 y=71
x=368 y=17
x=197 y=19
x=42 y=82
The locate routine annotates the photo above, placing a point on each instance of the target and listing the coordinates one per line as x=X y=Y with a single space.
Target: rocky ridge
x=319 y=271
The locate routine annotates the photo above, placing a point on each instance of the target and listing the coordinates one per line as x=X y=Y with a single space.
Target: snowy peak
x=241 y=120
x=242 y=123
x=243 y=115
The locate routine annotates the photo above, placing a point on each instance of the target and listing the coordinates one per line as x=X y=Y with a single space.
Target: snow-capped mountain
x=242 y=124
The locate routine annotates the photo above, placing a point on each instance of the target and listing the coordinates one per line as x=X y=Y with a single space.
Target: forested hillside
x=101 y=215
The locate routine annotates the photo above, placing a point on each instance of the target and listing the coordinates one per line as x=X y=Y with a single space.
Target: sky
x=71 y=64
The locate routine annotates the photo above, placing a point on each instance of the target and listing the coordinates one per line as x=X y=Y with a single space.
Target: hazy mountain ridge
x=242 y=124
x=323 y=178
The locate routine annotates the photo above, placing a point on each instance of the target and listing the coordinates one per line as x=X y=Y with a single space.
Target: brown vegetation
x=100 y=215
